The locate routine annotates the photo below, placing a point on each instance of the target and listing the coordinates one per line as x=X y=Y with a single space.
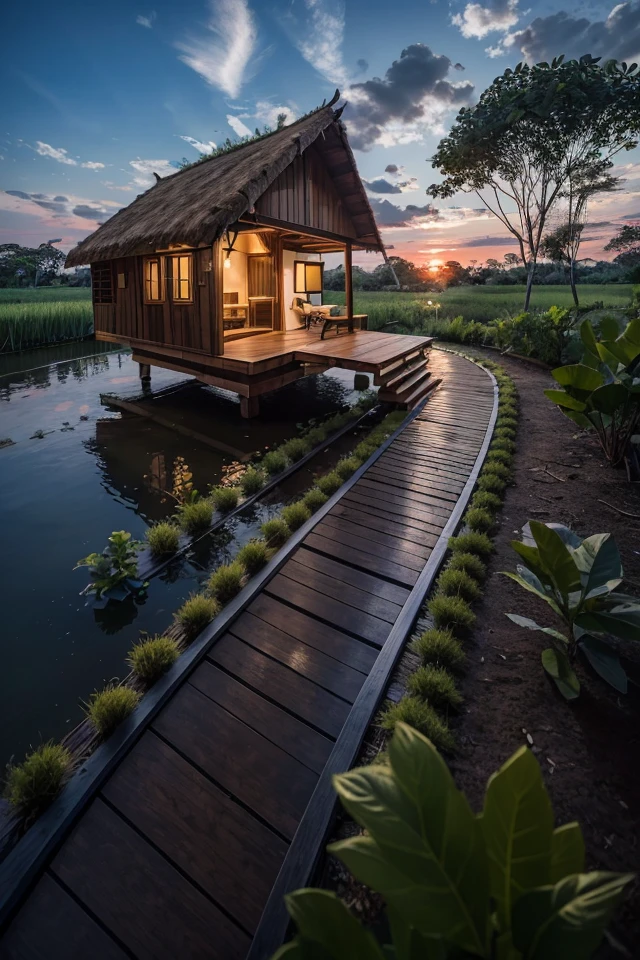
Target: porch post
x=348 y=282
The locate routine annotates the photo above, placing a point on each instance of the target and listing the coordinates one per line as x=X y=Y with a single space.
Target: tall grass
x=43 y=294
x=32 y=324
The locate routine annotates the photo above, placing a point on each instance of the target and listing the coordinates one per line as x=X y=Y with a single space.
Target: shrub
x=330 y=483
x=296 y=448
x=497 y=469
x=436 y=686
x=468 y=563
x=196 y=612
x=484 y=500
x=253 y=556
x=503 y=443
x=252 y=481
x=507 y=410
x=274 y=462
x=479 y=519
x=163 y=538
x=150 y=658
x=458 y=583
x=316 y=436
x=225 y=498
x=473 y=542
x=451 y=613
x=439 y=647
x=314 y=499
x=364 y=450
x=506 y=421
x=195 y=517
x=33 y=784
x=499 y=456
x=275 y=532
x=226 y=582
x=489 y=481
x=422 y=717
x=346 y=467
x=295 y=514
x=109 y=707
x=504 y=433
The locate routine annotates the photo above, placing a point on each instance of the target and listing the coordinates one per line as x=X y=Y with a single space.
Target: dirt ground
x=590 y=749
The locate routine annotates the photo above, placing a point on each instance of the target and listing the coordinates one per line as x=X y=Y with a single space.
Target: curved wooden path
x=221 y=800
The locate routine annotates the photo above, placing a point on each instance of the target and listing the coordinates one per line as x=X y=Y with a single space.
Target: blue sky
x=100 y=96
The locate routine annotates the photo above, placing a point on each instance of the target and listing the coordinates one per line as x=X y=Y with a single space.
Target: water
x=77 y=470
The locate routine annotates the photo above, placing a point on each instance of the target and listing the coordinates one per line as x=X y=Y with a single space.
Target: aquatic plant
x=163 y=538
x=114 y=571
x=196 y=612
x=152 y=657
x=225 y=498
x=33 y=784
x=274 y=462
x=275 y=531
x=295 y=514
x=195 y=517
x=225 y=582
x=107 y=708
x=253 y=556
x=252 y=481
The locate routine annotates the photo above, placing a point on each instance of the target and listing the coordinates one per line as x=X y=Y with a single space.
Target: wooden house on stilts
x=217 y=269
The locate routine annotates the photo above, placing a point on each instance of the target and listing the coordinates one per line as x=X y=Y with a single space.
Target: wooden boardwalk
x=224 y=800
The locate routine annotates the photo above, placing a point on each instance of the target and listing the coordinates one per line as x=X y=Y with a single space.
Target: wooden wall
x=304 y=193
x=191 y=326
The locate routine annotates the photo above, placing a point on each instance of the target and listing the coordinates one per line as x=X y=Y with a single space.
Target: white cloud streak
x=202 y=146
x=319 y=39
x=222 y=54
x=92 y=165
x=147 y=21
x=238 y=127
x=477 y=21
x=62 y=156
x=145 y=170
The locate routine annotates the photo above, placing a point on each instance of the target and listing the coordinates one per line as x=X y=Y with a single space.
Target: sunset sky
x=98 y=97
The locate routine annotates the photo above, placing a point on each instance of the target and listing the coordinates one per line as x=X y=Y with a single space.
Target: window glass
x=181 y=268
x=153 y=292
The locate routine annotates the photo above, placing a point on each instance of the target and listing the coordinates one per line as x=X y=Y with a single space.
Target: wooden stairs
x=407 y=380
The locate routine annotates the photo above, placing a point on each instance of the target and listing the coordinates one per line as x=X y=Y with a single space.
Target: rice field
x=34 y=317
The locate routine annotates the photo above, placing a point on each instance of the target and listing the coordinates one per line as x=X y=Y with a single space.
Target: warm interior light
x=227 y=263
x=307 y=277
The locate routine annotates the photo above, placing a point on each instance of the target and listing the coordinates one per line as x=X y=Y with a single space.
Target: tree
x=534 y=131
x=21 y=265
x=512 y=260
x=627 y=241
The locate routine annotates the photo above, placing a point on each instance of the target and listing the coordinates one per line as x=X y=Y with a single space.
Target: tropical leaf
x=563 y=399
x=578 y=377
x=608 y=398
x=567 y=851
x=599 y=558
x=559 y=668
x=556 y=558
x=532 y=625
x=322 y=918
x=605 y=662
x=621 y=620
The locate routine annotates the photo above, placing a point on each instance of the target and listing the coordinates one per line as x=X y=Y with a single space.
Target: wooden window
x=153 y=280
x=181 y=274
x=102 y=282
x=307 y=276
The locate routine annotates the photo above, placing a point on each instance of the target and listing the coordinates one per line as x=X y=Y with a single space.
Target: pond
x=76 y=470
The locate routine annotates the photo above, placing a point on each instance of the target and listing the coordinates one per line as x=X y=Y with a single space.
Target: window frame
x=179 y=280
x=103 y=291
x=305 y=263
x=159 y=259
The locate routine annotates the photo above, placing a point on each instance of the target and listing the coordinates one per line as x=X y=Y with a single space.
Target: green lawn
x=43 y=294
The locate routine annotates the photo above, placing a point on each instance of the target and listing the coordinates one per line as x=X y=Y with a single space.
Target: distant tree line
x=38 y=267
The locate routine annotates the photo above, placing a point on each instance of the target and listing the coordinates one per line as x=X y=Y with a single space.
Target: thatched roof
x=195 y=205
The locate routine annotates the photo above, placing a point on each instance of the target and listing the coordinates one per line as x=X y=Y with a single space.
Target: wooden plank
x=373 y=487
x=139 y=896
x=424 y=517
x=313 y=664
x=371 y=563
x=268 y=781
x=52 y=925
x=442 y=487
x=287 y=732
x=359 y=624
x=423 y=468
x=340 y=590
x=217 y=843
x=412 y=534
x=348 y=575
x=390 y=541
x=367 y=544
x=338 y=645
x=284 y=686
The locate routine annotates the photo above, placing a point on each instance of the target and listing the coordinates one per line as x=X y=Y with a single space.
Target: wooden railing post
x=348 y=279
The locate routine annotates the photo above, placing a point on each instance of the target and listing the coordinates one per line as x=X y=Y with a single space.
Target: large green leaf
x=588 y=338
x=563 y=399
x=558 y=666
x=579 y=418
x=605 y=662
x=322 y=918
x=608 y=398
x=567 y=851
x=599 y=558
x=578 y=377
x=532 y=625
x=556 y=558
x=533 y=560
x=620 y=620
x=517 y=822
x=424 y=851
x=409 y=944
x=567 y=920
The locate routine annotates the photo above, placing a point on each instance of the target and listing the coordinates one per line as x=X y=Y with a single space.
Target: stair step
x=414 y=399
x=393 y=367
x=406 y=388
x=418 y=363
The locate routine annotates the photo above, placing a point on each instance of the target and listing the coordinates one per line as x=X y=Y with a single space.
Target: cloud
x=207 y=146
x=147 y=21
x=458 y=66
x=93 y=165
x=222 y=55
x=412 y=98
x=362 y=65
x=399 y=182
x=115 y=186
x=46 y=150
x=628 y=216
x=62 y=210
x=267 y=113
x=146 y=168
x=391 y=168
x=388 y=214
x=87 y=212
x=477 y=21
x=318 y=37
x=617 y=37
x=381 y=185
x=238 y=127
x=488 y=242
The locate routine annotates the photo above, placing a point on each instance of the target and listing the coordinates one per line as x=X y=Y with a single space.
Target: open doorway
x=249 y=287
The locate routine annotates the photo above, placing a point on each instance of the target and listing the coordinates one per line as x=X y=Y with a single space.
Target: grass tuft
x=314 y=499
x=295 y=514
x=226 y=582
x=468 y=563
x=163 y=538
x=422 y=717
x=107 y=708
x=458 y=583
x=274 y=462
x=490 y=482
x=150 y=658
x=225 y=498
x=473 y=542
x=503 y=443
x=330 y=482
x=196 y=612
x=451 y=613
x=504 y=433
x=497 y=469
x=364 y=450
x=253 y=556
x=479 y=519
x=440 y=648
x=295 y=449
x=195 y=517
x=252 y=481
x=499 y=456
x=316 y=436
x=436 y=686
x=506 y=421
x=275 y=532
x=346 y=467
x=33 y=784
x=485 y=500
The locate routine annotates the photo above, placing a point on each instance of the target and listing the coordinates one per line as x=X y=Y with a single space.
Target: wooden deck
x=222 y=801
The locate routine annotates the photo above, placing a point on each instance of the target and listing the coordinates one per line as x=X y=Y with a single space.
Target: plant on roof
x=602 y=392
x=114 y=571
x=580 y=580
x=32 y=785
x=502 y=884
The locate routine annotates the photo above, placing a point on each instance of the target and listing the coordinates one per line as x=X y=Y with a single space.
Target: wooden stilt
x=145 y=371
x=249 y=407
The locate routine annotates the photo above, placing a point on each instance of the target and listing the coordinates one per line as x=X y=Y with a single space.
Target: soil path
x=589 y=750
